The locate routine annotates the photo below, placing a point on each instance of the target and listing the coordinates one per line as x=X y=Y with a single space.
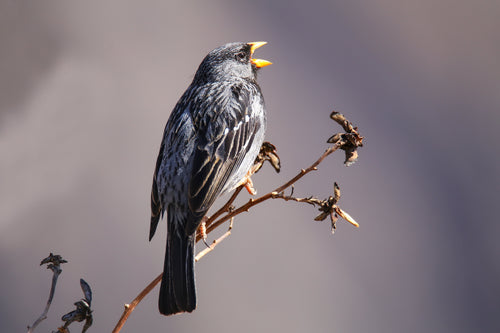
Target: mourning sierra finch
x=209 y=144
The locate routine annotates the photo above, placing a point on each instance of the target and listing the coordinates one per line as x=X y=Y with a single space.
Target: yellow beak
x=258 y=62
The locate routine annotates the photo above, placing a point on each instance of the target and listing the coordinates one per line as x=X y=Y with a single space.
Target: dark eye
x=241 y=56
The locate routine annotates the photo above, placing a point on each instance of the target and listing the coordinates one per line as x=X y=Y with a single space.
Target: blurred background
x=85 y=91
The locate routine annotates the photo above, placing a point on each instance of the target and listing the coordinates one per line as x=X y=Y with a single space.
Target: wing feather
x=221 y=148
x=156 y=206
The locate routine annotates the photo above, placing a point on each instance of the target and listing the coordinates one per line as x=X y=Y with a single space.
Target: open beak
x=258 y=62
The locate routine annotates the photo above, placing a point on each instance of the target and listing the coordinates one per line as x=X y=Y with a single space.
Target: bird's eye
x=241 y=56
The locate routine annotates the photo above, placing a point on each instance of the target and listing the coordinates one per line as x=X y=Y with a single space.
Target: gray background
x=87 y=86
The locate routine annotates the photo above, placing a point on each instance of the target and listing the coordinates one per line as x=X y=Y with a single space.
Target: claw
x=205 y=241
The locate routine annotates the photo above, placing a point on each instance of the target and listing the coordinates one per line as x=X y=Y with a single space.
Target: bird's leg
x=247 y=182
x=249 y=186
x=215 y=242
x=202 y=229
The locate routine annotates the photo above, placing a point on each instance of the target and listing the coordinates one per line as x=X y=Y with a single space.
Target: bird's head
x=233 y=60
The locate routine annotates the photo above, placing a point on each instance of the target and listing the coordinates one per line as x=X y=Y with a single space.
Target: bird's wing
x=156 y=206
x=228 y=134
x=178 y=136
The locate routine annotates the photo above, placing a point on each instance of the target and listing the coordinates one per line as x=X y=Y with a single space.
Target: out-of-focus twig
x=54 y=262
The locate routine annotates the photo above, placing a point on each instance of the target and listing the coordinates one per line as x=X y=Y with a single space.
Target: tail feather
x=178 y=291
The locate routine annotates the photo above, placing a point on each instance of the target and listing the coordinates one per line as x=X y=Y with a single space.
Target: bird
x=209 y=145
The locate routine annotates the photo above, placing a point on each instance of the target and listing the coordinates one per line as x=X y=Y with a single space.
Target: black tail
x=178 y=291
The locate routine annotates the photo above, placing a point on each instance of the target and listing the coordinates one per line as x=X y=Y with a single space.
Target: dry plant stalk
x=54 y=262
x=82 y=311
x=348 y=141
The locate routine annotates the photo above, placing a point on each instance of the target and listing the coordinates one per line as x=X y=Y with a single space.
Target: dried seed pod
x=351 y=156
x=335 y=138
x=336 y=192
x=269 y=153
x=346 y=217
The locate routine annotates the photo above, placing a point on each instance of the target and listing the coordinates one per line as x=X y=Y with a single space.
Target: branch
x=214 y=243
x=212 y=225
x=130 y=307
x=348 y=141
x=54 y=263
x=328 y=207
x=227 y=207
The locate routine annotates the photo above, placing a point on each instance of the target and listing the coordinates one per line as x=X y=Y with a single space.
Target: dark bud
x=54 y=259
x=54 y=262
x=326 y=208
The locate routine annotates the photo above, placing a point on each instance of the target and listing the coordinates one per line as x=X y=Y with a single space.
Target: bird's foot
x=249 y=187
x=203 y=230
x=247 y=182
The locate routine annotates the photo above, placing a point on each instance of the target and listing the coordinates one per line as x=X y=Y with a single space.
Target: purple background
x=86 y=88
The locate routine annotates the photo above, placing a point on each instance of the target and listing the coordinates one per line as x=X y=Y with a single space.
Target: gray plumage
x=210 y=142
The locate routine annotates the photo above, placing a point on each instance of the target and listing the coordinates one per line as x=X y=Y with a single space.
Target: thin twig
x=312 y=201
x=316 y=202
x=130 y=307
x=201 y=254
x=43 y=316
x=54 y=262
x=227 y=206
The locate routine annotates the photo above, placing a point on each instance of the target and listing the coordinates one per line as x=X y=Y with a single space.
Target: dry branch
x=54 y=264
x=348 y=141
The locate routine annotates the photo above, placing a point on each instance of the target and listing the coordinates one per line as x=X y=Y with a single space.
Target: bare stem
x=214 y=243
x=43 y=316
x=54 y=262
x=311 y=201
x=224 y=209
x=130 y=307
